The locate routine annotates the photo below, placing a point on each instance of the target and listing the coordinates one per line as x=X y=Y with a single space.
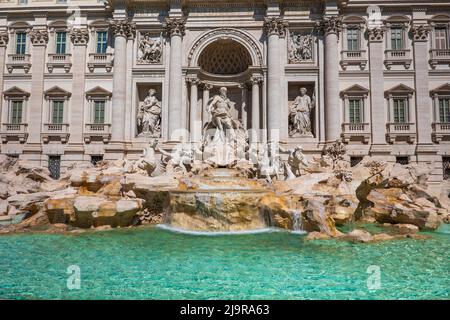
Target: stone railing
x=354 y=57
x=100 y=60
x=63 y=60
x=18 y=61
x=355 y=131
x=397 y=57
x=97 y=131
x=14 y=131
x=438 y=56
x=401 y=131
x=56 y=131
x=441 y=131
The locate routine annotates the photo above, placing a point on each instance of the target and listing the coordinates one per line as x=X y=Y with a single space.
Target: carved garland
x=375 y=34
x=79 y=36
x=420 y=32
x=225 y=32
x=39 y=37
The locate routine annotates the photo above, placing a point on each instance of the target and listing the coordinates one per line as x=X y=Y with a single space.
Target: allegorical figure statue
x=300 y=115
x=149 y=117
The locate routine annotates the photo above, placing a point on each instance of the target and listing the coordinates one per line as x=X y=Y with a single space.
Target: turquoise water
x=151 y=263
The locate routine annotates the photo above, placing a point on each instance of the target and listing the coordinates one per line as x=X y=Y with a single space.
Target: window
x=353 y=39
x=99 y=111
x=400 y=109
x=444 y=110
x=402 y=160
x=397 y=38
x=96 y=159
x=446 y=167
x=441 y=38
x=61 y=42
x=354 y=161
x=54 y=166
x=21 y=42
x=16 y=112
x=102 y=41
x=57 y=111
x=355 y=110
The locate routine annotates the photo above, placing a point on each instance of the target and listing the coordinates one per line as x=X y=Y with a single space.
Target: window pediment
x=400 y=89
x=56 y=92
x=15 y=92
x=98 y=92
x=355 y=90
x=442 y=90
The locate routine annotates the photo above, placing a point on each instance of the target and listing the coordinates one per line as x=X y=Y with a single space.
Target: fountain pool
x=152 y=263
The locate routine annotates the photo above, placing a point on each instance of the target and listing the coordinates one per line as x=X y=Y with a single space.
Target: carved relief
x=39 y=37
x=375 y=34
x=331 y=25
x=122 y=28
x=275 y=25
x=3 y=38
x=79 y=36
x=174 y=26
x=420 y=33
x=150 y=49
x=300 y=115
x=300 y=48
x=149 y=116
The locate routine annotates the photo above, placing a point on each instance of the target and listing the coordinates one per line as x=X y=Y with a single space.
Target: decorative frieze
x=39 y=37
x=275 y=25
x=174 y=26
x=122 y=28
x=149 y=49
x=300 y=48
x=4 y=38
x=375 y=34
x=420 y=32
x=79 y=36
x=331 y=25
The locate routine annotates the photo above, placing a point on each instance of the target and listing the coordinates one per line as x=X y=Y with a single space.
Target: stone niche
x=293 y=92
x=143 y=120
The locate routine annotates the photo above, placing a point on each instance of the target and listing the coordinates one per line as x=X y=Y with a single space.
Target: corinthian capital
x=122 y=28
x=174 y=26
x=3 y=38
x=79 y=36
x=331 y=25
x=420 y=32
x=275 y=25
x=39 y=37
x=375 y=34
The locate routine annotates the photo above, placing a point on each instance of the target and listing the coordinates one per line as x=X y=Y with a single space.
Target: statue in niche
x=150 y=49
x=300 y=115
x=149 y=116
x=301 y=48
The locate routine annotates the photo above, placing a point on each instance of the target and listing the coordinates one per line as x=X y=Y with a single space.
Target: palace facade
x=77 y=76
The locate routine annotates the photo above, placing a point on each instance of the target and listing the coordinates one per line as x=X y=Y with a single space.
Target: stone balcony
x=439 y=56
x=355 y=132
x=18 y=61
x=441 y=131
x=358 y=58
x=56 y=60
x=55 y=131
x=14 y=132
x=392 y=57
x=401 y=132
x=97 y=132
x=100 y=60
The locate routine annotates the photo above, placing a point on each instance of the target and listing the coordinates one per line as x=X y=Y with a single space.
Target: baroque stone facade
x=104 y=81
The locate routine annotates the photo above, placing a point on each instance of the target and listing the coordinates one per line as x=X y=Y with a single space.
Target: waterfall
x=297 y=220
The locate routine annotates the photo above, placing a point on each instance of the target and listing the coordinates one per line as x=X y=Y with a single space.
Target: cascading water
x=297 y=220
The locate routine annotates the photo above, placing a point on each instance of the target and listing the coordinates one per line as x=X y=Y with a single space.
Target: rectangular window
x=102 y=41
x=96 y=159
x=57 y=112
x=441 y=38
x=355 y=160
x=353 y=39
x=446 y=167
x=402 y=160
x=397 y=38
x=99 y=111
x=16 y=112
x=21 y=42
x=444 y=110
x=355 y=110
x=61 y=42
x=400 y=110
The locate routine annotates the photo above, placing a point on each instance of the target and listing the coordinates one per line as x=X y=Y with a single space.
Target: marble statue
x=149 y=161
x=296 y=160
x=150 y=50
x=181 y=157
x=149 y=116
x=300 y=115
x=300 y=48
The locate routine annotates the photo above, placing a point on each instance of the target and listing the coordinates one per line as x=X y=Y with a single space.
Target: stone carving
x=375 y=34
x=149 y=162
x=149 y=116
x=4 y=38
x=79 y=36
x=150 y=49
x=420 y=32
x=275 y=25
x=300 y=48
x=174 y=26
x=331 y=25
x=122 y=28
x=300 y=115
x=181 y=158
x=269 y=162
x=39 y=37
x=296 y=160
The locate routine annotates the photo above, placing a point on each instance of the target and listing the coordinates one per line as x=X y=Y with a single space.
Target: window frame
x=61 y=112
x=11 y=116
x=94 y=111
x=97 y=42
x=406 y=114
x=357 y=32
x=360 y=101
x=23 y=45
x=65 y=46
x=401 y=32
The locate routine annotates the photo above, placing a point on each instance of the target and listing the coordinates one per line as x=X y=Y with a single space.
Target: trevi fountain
x=225 y=217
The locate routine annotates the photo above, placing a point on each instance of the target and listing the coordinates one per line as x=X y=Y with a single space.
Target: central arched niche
x=225 y=57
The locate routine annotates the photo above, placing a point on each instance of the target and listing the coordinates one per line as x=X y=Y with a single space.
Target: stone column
x=121 y=30
x=174 y=28
x=331 y=28
x=423 y=102
x=39 y=39
x=275 y=27
x=80 y=38
x=205 y=113
x=377 y=102
x=194 y=122
x=255 y=81
x=3 y=44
